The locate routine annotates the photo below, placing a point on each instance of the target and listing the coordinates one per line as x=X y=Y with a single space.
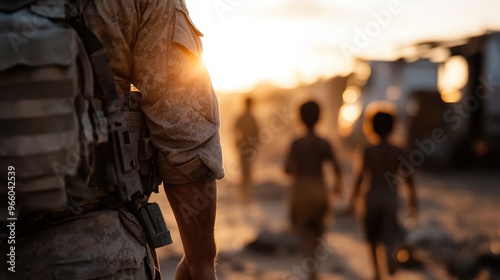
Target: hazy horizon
x=292 y=41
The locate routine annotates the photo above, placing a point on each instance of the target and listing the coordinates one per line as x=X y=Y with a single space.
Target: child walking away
x=246 y=131
x=380 y=168
x=309 y=200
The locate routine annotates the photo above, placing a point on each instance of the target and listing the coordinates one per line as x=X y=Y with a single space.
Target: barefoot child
x=380 y=169
x=309 y=203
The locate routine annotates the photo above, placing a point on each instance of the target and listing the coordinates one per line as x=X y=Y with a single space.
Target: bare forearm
x=357 y=187
x=194 y=205
x=413 y=204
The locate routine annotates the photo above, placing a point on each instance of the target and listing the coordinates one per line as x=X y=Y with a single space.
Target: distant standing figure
x=309 y=203
x=380 y=169
x=247 y=141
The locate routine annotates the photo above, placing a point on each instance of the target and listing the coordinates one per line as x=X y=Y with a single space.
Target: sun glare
x=351 y=95
x=241 y=65
x=286 y=43
x=239 y=57
x=348 y=115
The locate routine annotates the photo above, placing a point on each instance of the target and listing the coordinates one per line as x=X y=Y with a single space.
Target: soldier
x=153 y=45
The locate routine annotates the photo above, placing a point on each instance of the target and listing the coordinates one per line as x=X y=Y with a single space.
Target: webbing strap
x=33 y=126
x=104 y=84
x=127 y=178
x=30 y=166
x=31 y=90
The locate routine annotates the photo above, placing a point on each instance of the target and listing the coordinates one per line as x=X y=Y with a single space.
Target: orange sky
x=292 y=41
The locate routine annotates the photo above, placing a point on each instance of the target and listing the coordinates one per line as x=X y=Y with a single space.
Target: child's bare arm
x=413 y=205
x=290 y=162
x=358 y=182
x=357 y=187
x=337 y=188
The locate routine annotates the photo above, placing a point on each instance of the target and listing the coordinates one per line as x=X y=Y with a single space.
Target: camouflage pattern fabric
x=156 y=47
x=104 y=244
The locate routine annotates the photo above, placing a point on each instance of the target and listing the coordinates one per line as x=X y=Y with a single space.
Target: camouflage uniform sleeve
x=178 y=98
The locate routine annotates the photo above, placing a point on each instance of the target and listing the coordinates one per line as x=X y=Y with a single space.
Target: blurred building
x=447 y=96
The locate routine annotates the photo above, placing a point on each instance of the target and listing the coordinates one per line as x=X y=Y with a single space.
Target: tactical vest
x=64 y=131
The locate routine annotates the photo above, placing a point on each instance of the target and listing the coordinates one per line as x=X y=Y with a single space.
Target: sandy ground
x=465 y=203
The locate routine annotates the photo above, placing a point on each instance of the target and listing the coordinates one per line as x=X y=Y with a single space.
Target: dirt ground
x=464 y=204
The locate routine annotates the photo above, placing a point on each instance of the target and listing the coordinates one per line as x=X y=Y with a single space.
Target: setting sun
x=296 y=41
x=282 y=54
